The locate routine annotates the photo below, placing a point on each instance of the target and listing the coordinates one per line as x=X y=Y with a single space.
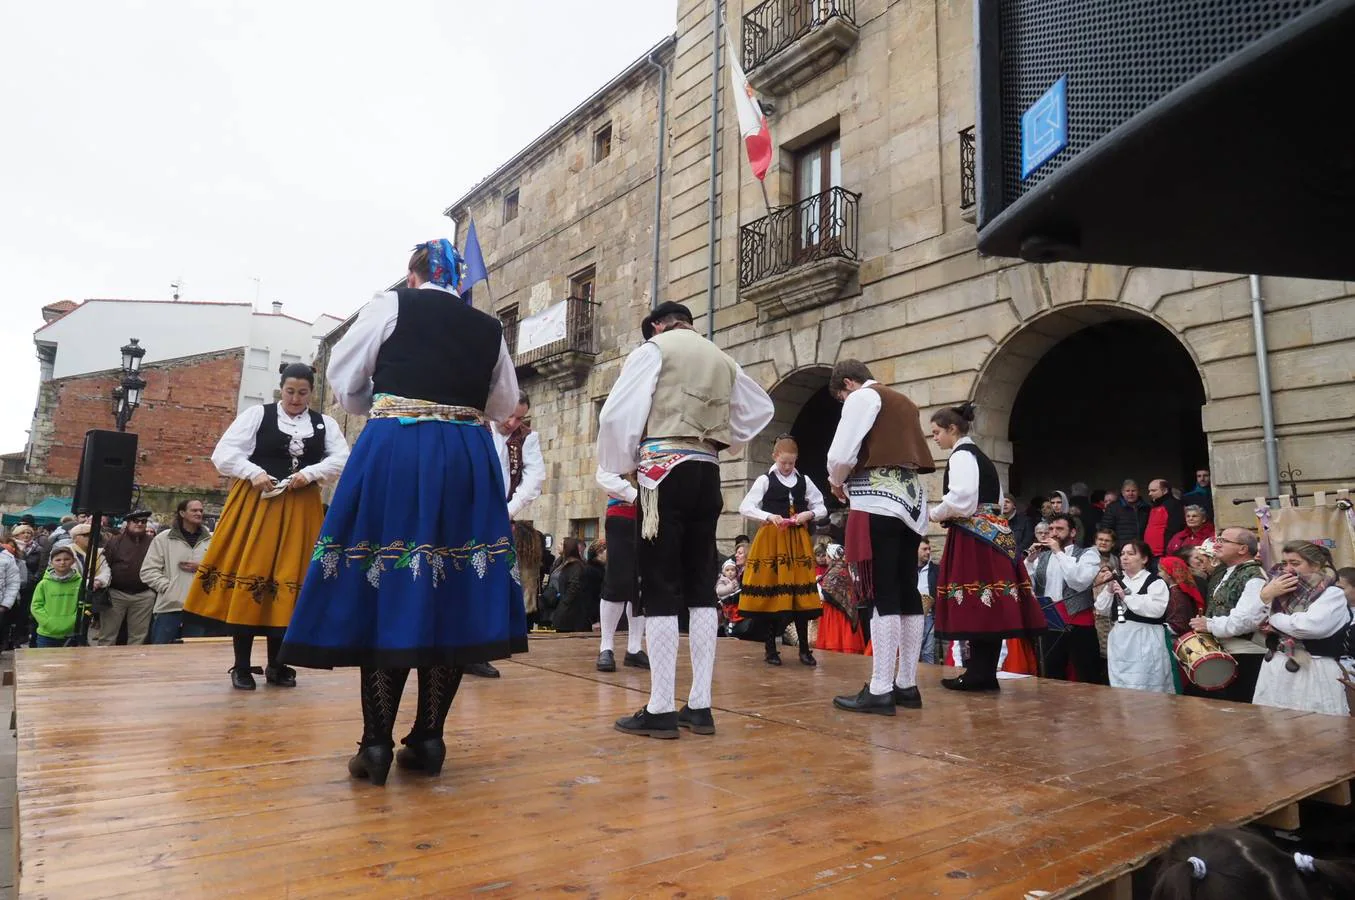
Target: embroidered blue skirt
x=415 y=563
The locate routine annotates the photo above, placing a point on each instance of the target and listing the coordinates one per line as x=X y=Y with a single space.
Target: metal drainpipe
x=714 y=170
x=658 y=176
x=1263 y=377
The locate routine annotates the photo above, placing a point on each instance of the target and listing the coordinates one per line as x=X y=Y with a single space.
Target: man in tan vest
x=678 y=402
x=873 y=465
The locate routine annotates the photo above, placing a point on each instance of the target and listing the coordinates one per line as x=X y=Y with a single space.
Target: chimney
x=277 y=307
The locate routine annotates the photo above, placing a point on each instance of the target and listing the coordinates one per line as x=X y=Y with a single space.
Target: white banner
x=541 y=329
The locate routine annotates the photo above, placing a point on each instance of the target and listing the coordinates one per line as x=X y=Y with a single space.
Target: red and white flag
x=757 y=136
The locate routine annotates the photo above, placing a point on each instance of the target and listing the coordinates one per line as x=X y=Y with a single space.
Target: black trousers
x=893 y=548
x=1078 y=645
x=621 y=583
x=983 y=659
x=678 y=567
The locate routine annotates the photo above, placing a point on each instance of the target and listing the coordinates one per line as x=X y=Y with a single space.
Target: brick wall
x=187 y=405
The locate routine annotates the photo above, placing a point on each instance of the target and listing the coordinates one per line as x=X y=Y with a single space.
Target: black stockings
x=381 y=690
x=244 y=644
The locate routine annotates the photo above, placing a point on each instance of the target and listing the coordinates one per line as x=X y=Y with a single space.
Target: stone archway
x=806 y=411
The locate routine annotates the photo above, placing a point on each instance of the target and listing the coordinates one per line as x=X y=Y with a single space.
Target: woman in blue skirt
x=415 y=566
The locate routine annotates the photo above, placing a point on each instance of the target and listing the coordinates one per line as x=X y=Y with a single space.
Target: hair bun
x=965 y=411
x=282 y=369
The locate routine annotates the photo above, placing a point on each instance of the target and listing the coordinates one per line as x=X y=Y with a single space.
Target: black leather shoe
x=372 y=762
x=647 y=724
x=698 y=721
x=959 y=683
x=636 y=660
x=426 y=754
x=484 y=670
x=908 y=697
x=773 y=659
x=606 y=661
x=282 y=676
x=866 y=702
x=807 y=658
x=243 y=679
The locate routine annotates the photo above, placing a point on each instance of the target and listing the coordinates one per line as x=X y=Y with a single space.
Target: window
x=581 y=284
x=254 y=400
x=602 y=143
x=508 y=317
x=818 y=169
x=257 y=359
x=585 y=530
x=290 y=358
x=510 y=206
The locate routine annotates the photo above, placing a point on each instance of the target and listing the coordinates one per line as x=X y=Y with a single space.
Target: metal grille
x=1120 y=56
x=966 y=167
x=817 y=227
x=773 y=26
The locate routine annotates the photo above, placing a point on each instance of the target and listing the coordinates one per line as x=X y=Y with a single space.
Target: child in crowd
x=55 y=599
x=1232 y=864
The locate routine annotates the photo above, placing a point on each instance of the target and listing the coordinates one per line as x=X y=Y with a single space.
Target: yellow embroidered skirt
x=779 y=576
x=259 y=554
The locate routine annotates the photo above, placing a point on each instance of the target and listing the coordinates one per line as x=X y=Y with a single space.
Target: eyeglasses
x=1224 y=540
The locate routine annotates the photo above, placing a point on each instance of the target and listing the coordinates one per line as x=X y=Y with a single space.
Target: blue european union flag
x=475 y=263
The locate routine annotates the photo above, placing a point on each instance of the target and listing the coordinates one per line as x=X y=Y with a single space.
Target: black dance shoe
x=698 y=721
x=373 y=762
x=962 y=683
x=426 y=754
x=243 y=679
x=866 y=702
x=636 y=660
x=281 y=676
x=644 y=723
x=773 y=658
x=483 y=669
x=807 y=658
x=908 y=697
x=606 y=661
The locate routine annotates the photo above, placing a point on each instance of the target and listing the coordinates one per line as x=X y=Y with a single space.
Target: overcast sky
x=302 y=144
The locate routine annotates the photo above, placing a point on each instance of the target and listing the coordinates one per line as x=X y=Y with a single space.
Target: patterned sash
x=988 y=525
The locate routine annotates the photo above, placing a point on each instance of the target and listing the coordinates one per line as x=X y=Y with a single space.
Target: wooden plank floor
x=141 y=773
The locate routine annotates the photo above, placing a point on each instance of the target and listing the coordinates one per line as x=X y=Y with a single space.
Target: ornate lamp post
x=127 y=395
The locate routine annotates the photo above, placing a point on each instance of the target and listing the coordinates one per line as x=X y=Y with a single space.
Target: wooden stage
x=141 y=773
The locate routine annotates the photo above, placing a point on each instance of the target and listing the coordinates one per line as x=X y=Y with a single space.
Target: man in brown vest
x=678 y=402
x=873 y=465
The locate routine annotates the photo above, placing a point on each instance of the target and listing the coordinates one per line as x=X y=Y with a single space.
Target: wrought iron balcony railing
x=967 y=167
x=569 y=326
x=776 y=24
x=817 y=227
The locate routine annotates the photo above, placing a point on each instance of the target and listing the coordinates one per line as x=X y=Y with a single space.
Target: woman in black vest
x=780 y=584
x=983 y=591
x=279 y=453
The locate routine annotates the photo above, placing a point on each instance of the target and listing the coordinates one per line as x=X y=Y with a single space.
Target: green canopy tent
x=48 y=512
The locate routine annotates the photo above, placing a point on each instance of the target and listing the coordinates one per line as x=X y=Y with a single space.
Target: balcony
x=559 y=343
x=967 y=194
x=788 y=42
x=800 y=256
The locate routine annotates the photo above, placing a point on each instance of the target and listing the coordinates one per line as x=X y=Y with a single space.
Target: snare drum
x=1207 y=665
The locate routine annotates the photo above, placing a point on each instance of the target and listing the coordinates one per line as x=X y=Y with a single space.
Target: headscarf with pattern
x=444 y=262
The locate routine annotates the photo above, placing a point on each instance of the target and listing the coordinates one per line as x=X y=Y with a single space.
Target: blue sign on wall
x=1044 y=128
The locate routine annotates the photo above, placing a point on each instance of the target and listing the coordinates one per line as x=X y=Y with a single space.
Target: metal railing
x=776 y=24
x=967 y=167
x=510 y=330
x=817 y=227
x=580 y=334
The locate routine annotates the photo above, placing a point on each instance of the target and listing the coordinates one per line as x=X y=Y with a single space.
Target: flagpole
x=765 y=200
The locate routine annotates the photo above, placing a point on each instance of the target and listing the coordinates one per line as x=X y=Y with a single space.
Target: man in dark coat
x=1127 y=516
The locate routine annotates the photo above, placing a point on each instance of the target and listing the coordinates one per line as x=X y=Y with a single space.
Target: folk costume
x=251 y=574
x=984 y=593
x=840 y=628
x=877 y=453
x=779 y=581
x=621 y=584
x=1140 y=654
x=1235 y=612
x=415 y=565
x=678 y=402
x=1305 y=640
x=1064 y=580
x=524 y=472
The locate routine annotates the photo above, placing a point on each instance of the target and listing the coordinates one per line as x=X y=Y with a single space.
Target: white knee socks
x=663 y=648
x=702 y=634
x=610 y=613
x=885 y=635
x=910 y=649
x=635 y=637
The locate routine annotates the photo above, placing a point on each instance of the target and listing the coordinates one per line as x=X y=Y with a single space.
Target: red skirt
x=982 y=593
x=836 y=633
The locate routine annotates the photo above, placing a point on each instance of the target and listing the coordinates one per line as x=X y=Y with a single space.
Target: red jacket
x=1187 y=538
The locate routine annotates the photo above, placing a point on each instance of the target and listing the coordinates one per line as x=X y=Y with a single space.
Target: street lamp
x=127 y=394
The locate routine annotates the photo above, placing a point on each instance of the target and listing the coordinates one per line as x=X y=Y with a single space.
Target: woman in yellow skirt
x=279 y=453
x=779 y=584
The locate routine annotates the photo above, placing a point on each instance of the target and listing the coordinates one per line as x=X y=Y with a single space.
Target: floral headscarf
x=1176 y=569
x=444 y=262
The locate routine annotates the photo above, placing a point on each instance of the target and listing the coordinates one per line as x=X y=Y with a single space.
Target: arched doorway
x=807 y=412
x=1096 y=395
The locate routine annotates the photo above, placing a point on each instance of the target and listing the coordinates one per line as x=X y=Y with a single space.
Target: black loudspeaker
x=107 y=472
x=1190 y=134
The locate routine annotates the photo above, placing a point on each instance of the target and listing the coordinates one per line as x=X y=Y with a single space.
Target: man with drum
x=1234 y=611
x=1062 y=572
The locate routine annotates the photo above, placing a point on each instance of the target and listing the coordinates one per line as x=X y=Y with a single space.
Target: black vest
x=441 y=351
x=1118 y=606
x=778 y=498
x=990 y=489
x=270 y=444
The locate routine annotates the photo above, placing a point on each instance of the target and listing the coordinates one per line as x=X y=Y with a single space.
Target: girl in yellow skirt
x=779 y=583
x=279 y=453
